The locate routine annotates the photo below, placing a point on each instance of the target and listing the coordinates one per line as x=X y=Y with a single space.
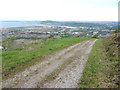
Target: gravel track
x=69 y=77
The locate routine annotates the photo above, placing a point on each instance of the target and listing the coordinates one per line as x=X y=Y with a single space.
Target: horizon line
x=62 y=21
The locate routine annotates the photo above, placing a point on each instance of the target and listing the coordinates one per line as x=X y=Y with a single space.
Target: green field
x=18 y=59
x=102 y=67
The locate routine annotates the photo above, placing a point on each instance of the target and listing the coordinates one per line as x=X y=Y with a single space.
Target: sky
x=59 y=10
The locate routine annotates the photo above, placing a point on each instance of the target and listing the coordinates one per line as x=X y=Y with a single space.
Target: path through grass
x=18 y=59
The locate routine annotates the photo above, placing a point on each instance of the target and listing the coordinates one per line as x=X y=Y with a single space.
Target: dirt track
x=67 y=77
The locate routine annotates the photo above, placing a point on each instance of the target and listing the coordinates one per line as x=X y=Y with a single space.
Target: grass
x=101 y=70
x=16 y=60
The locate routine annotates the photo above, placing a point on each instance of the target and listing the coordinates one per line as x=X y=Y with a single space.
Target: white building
x=94 y=33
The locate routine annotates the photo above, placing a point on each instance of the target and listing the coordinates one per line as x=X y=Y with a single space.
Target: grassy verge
x=101 y=69
x=18 y=59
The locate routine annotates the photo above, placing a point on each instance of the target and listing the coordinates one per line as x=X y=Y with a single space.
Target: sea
x=8 y=24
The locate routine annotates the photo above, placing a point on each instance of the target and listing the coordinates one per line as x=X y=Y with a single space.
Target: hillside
x=103 y=63
x=63 y=63
x=69 y=59
x=17 y=59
